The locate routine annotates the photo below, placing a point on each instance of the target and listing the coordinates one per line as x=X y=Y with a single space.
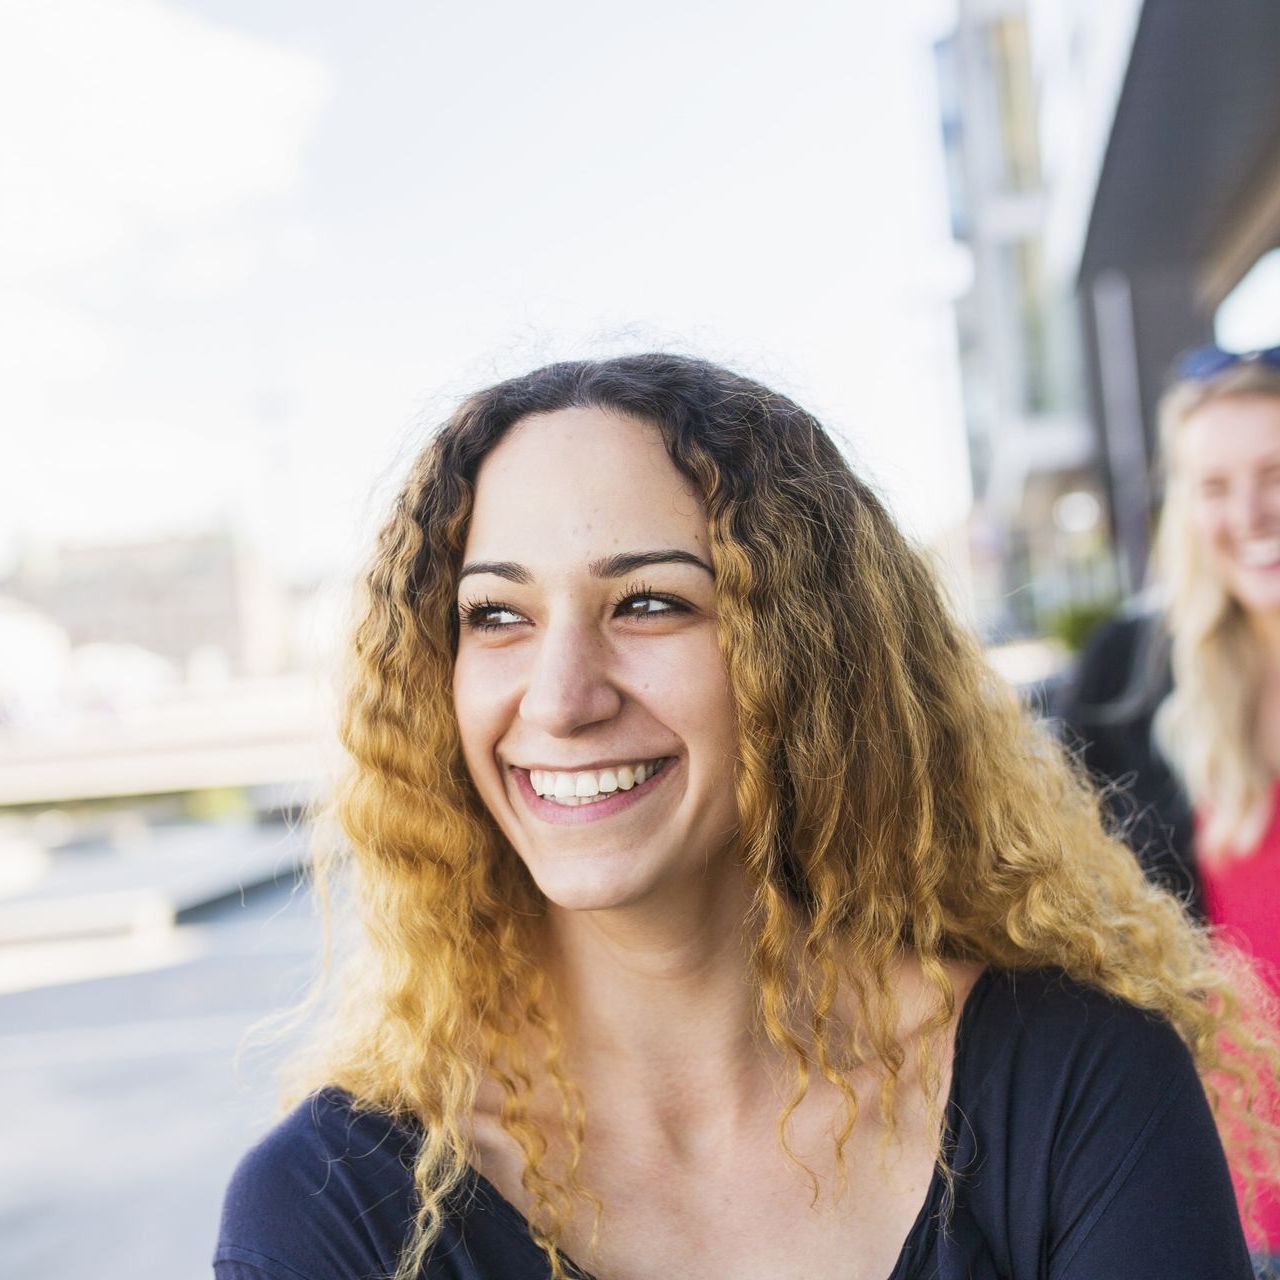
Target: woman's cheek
x=476 y=694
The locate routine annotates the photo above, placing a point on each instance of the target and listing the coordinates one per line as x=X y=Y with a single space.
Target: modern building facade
x=1164 y=122
x=1038 y=537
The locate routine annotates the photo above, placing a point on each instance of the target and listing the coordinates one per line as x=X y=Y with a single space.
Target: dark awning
x=1197 y=120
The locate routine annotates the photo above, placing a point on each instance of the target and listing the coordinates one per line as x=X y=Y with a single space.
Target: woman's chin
x=579 y=886
x=579 y=896
x=1260 y=598
x=581 y=883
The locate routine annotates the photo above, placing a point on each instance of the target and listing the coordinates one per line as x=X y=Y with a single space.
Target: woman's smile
x=572 y=797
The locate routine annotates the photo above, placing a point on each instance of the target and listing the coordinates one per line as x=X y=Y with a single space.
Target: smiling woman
x=723 y=914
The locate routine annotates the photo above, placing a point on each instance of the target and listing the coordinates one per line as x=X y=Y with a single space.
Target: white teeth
x=1259 y=551
x=589 y=786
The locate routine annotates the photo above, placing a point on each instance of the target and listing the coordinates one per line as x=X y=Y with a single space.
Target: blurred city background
x=250 y=254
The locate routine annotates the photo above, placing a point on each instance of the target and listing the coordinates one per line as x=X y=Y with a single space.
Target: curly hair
x=1217 y=664
x=893 y=798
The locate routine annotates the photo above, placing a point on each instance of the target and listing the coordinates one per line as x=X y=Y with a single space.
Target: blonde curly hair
x=894 y=799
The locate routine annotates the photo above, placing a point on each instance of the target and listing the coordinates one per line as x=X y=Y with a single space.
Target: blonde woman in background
x=723 y=915
x=1183 y=706
x=1219 y=549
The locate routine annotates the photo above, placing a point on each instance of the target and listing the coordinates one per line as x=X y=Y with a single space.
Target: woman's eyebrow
x=629 y=561
x=615 y=566
x=499 y=568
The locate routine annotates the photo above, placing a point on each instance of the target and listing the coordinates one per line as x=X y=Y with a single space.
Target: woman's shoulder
x=1081 y=1128
x=1042 y=1059
x=327 y=1192
x=323 y=1137
x=1038 y=1020
x=1121 y=656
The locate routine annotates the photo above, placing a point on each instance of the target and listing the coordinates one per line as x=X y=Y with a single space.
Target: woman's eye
x=646 y=604
x=489 y=617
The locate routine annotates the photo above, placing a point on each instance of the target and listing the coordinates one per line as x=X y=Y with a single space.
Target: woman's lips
x=575 y=815
x=1257 y=552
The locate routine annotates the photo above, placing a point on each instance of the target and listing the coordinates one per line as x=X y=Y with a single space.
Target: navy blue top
x=1082 y=1140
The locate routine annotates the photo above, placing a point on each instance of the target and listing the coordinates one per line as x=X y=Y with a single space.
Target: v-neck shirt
x=1079 y=1136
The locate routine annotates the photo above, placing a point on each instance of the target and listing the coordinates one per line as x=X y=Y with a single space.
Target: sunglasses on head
x=1208 y=361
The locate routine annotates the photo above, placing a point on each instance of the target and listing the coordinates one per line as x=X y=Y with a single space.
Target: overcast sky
x=252 y=250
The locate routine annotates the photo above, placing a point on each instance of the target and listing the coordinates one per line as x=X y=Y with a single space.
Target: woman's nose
x=568 y=686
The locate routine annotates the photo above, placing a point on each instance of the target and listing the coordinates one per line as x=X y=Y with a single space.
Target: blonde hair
x=1207 y=726
x=893 y=798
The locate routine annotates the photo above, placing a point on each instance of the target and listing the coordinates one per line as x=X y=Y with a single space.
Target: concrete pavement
x=123 y=1104
x=117 y=907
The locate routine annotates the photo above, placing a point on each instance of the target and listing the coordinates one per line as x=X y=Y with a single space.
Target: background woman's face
x=591 y=695
x=1231 y=454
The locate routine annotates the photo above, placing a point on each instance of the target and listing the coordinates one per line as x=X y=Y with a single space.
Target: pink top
x=1242 y=897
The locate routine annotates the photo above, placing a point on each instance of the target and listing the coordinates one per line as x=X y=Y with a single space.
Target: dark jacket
x=1106 y=711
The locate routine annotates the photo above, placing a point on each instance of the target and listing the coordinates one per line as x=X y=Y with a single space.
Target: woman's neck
x=1265 y=628
x=658 y=1004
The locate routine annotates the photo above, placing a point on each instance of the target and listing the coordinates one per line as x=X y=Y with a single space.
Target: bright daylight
x=640 y=642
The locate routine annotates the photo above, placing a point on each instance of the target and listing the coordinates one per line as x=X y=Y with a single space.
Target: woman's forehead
x=1231 y=431
x=585 y=482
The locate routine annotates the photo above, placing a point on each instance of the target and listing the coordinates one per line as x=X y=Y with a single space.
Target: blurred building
x=1038 y=536
x=175 y=665
x=1160 y=132
x=204 y=602
x=36 y=652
